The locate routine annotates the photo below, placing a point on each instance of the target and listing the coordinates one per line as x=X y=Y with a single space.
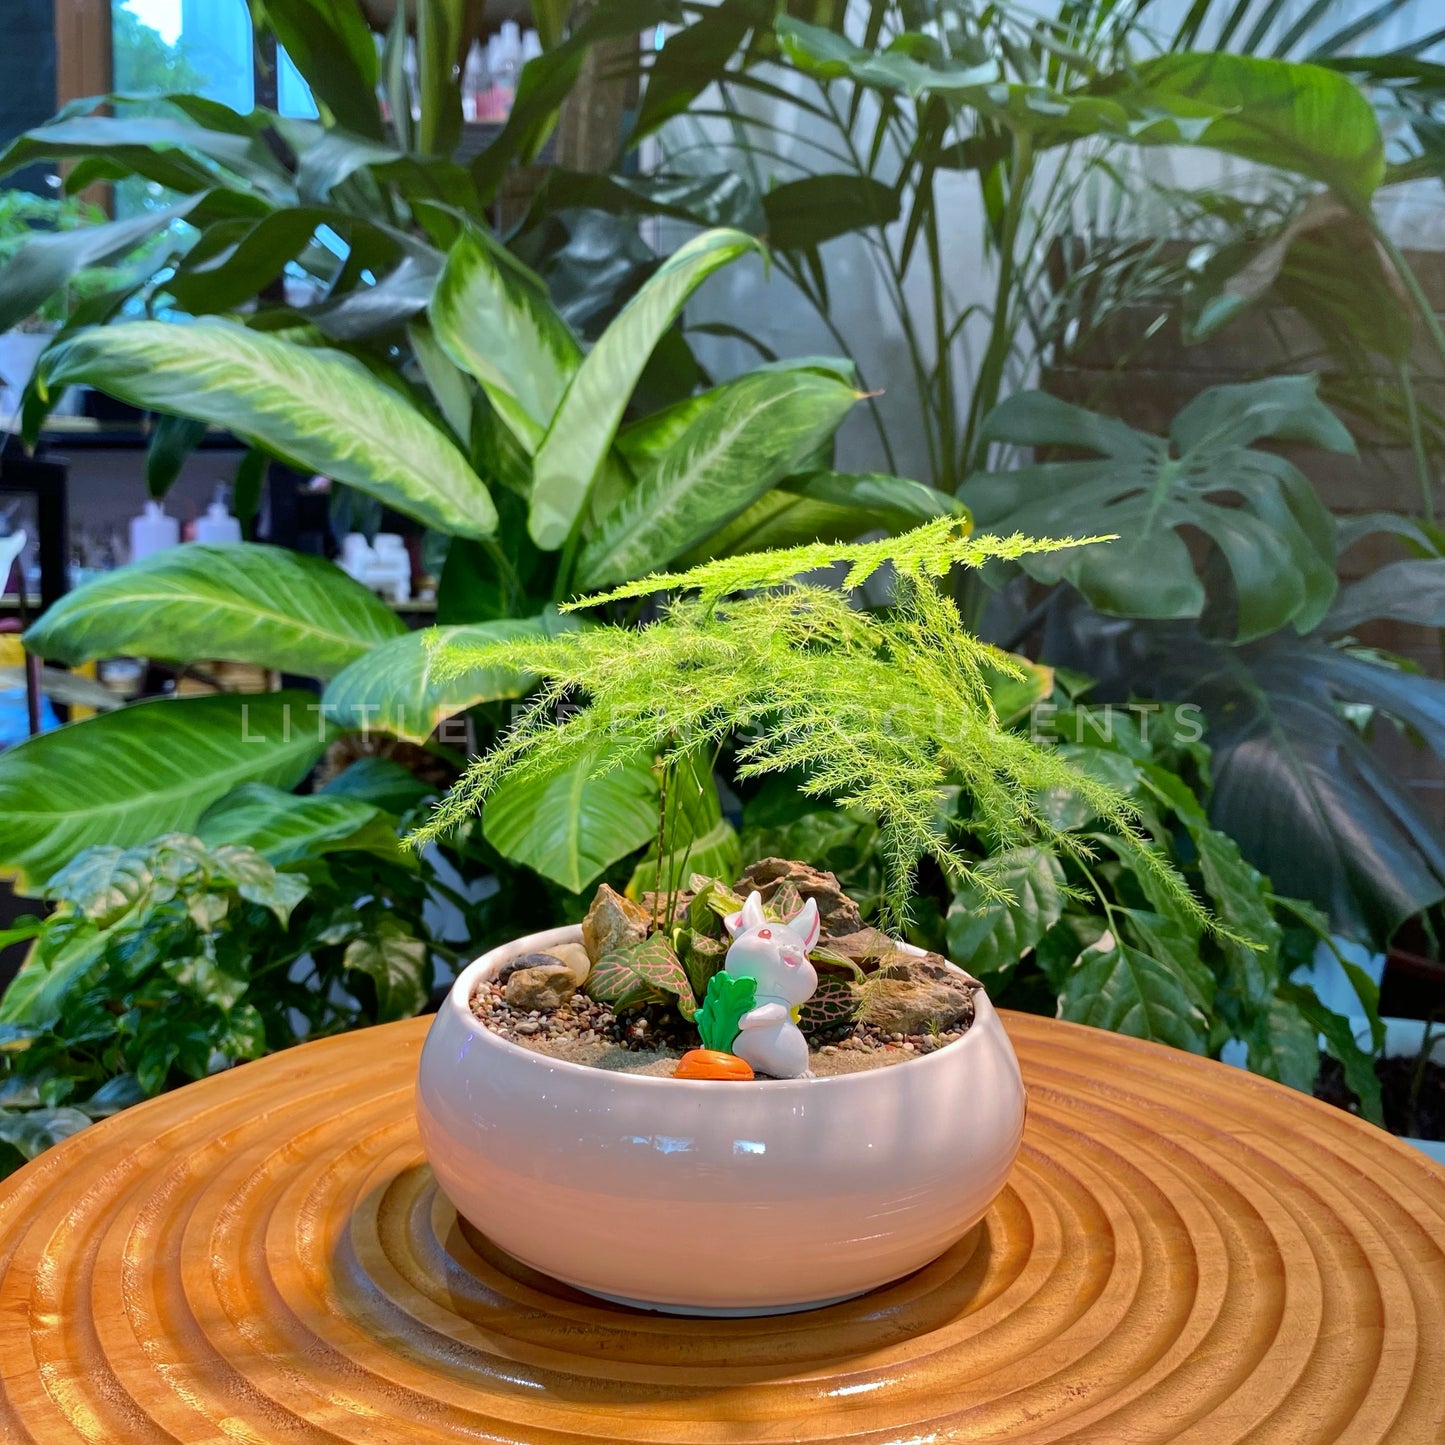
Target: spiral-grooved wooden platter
x=1183 y=1253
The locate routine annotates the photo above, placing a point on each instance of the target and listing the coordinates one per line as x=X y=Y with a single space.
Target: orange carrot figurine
x=712 y=1064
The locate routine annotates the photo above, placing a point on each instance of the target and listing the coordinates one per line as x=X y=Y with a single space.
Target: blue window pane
x=200 y=46
x=293 y=95
x=216 y=39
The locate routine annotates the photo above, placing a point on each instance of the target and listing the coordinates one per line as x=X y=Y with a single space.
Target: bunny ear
x=805 y=923
x=750 y=916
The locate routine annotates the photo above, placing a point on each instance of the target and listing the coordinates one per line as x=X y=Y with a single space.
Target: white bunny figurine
x=776 y=956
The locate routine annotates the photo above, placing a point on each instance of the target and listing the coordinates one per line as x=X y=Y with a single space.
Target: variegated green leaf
x=319 y=409
x=494 y=319
x=827 y=506
x=153 y=768
x=283 y=826
x=642 y=973
x=760 y=428
x=571 y=826
x=581 y=432
x=240 y=601
x=395 y=689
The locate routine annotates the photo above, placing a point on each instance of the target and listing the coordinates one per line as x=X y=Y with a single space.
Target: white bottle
x=531 y=45
x=509 y=64
x=356 y=556
x=217 y=525
x=153 y=531
x=390 y=572
x=474 y=74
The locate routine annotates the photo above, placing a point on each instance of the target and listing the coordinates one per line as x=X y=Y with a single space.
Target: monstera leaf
x=1297 y=783
x=1256 y=507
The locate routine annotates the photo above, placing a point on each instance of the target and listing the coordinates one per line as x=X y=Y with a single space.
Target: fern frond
x=876 y=710
x=932 y=550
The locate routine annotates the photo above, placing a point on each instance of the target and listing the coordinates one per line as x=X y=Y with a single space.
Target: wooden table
x=1184 y=1252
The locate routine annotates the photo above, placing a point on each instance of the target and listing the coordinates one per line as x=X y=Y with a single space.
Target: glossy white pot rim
x=458 y=1001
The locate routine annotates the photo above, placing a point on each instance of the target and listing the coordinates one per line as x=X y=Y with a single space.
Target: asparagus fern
x=880 y=710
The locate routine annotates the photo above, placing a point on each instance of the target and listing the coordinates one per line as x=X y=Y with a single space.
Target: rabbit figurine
x=775 y=955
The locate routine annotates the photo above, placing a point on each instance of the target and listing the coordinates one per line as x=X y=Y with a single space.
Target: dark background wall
x=27 y=75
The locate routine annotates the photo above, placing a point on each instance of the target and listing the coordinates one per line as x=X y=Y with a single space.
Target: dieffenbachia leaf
x=572 y=825
x=315 y=407
x=240 y=601
x=283 y=826
x=493 y=318
x=152 y=768
x=395 y=689
x=750 y=434
x=581 y=432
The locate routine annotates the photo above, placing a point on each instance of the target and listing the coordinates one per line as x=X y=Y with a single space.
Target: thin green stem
x=1407 y=277
x=1100 y=895
x=1000 y=342
x=942 y=342
x=894 y=278
x=1417 y=444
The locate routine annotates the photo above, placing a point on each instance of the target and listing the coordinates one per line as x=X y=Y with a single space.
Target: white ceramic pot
x=702 y=1197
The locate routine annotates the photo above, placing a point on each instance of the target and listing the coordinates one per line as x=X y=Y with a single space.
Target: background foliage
x=335 y=294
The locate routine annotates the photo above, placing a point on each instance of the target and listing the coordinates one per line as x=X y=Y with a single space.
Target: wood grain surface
x=1183 y=1253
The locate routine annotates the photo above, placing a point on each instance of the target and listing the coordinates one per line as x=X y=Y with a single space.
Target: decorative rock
x=575 y=957
x=910 y=995
x=865 y=946
x=837 y=913
x=613 y=922
x=542 y=989
x=527 y=960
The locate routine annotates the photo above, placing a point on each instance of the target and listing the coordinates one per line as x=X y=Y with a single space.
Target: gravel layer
x=651 y=1041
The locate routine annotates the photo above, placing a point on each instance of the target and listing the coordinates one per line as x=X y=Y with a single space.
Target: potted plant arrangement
x=732 y=1096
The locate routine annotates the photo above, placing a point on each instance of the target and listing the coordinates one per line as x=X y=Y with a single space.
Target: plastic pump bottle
x=153 y=531
x=218 y=525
